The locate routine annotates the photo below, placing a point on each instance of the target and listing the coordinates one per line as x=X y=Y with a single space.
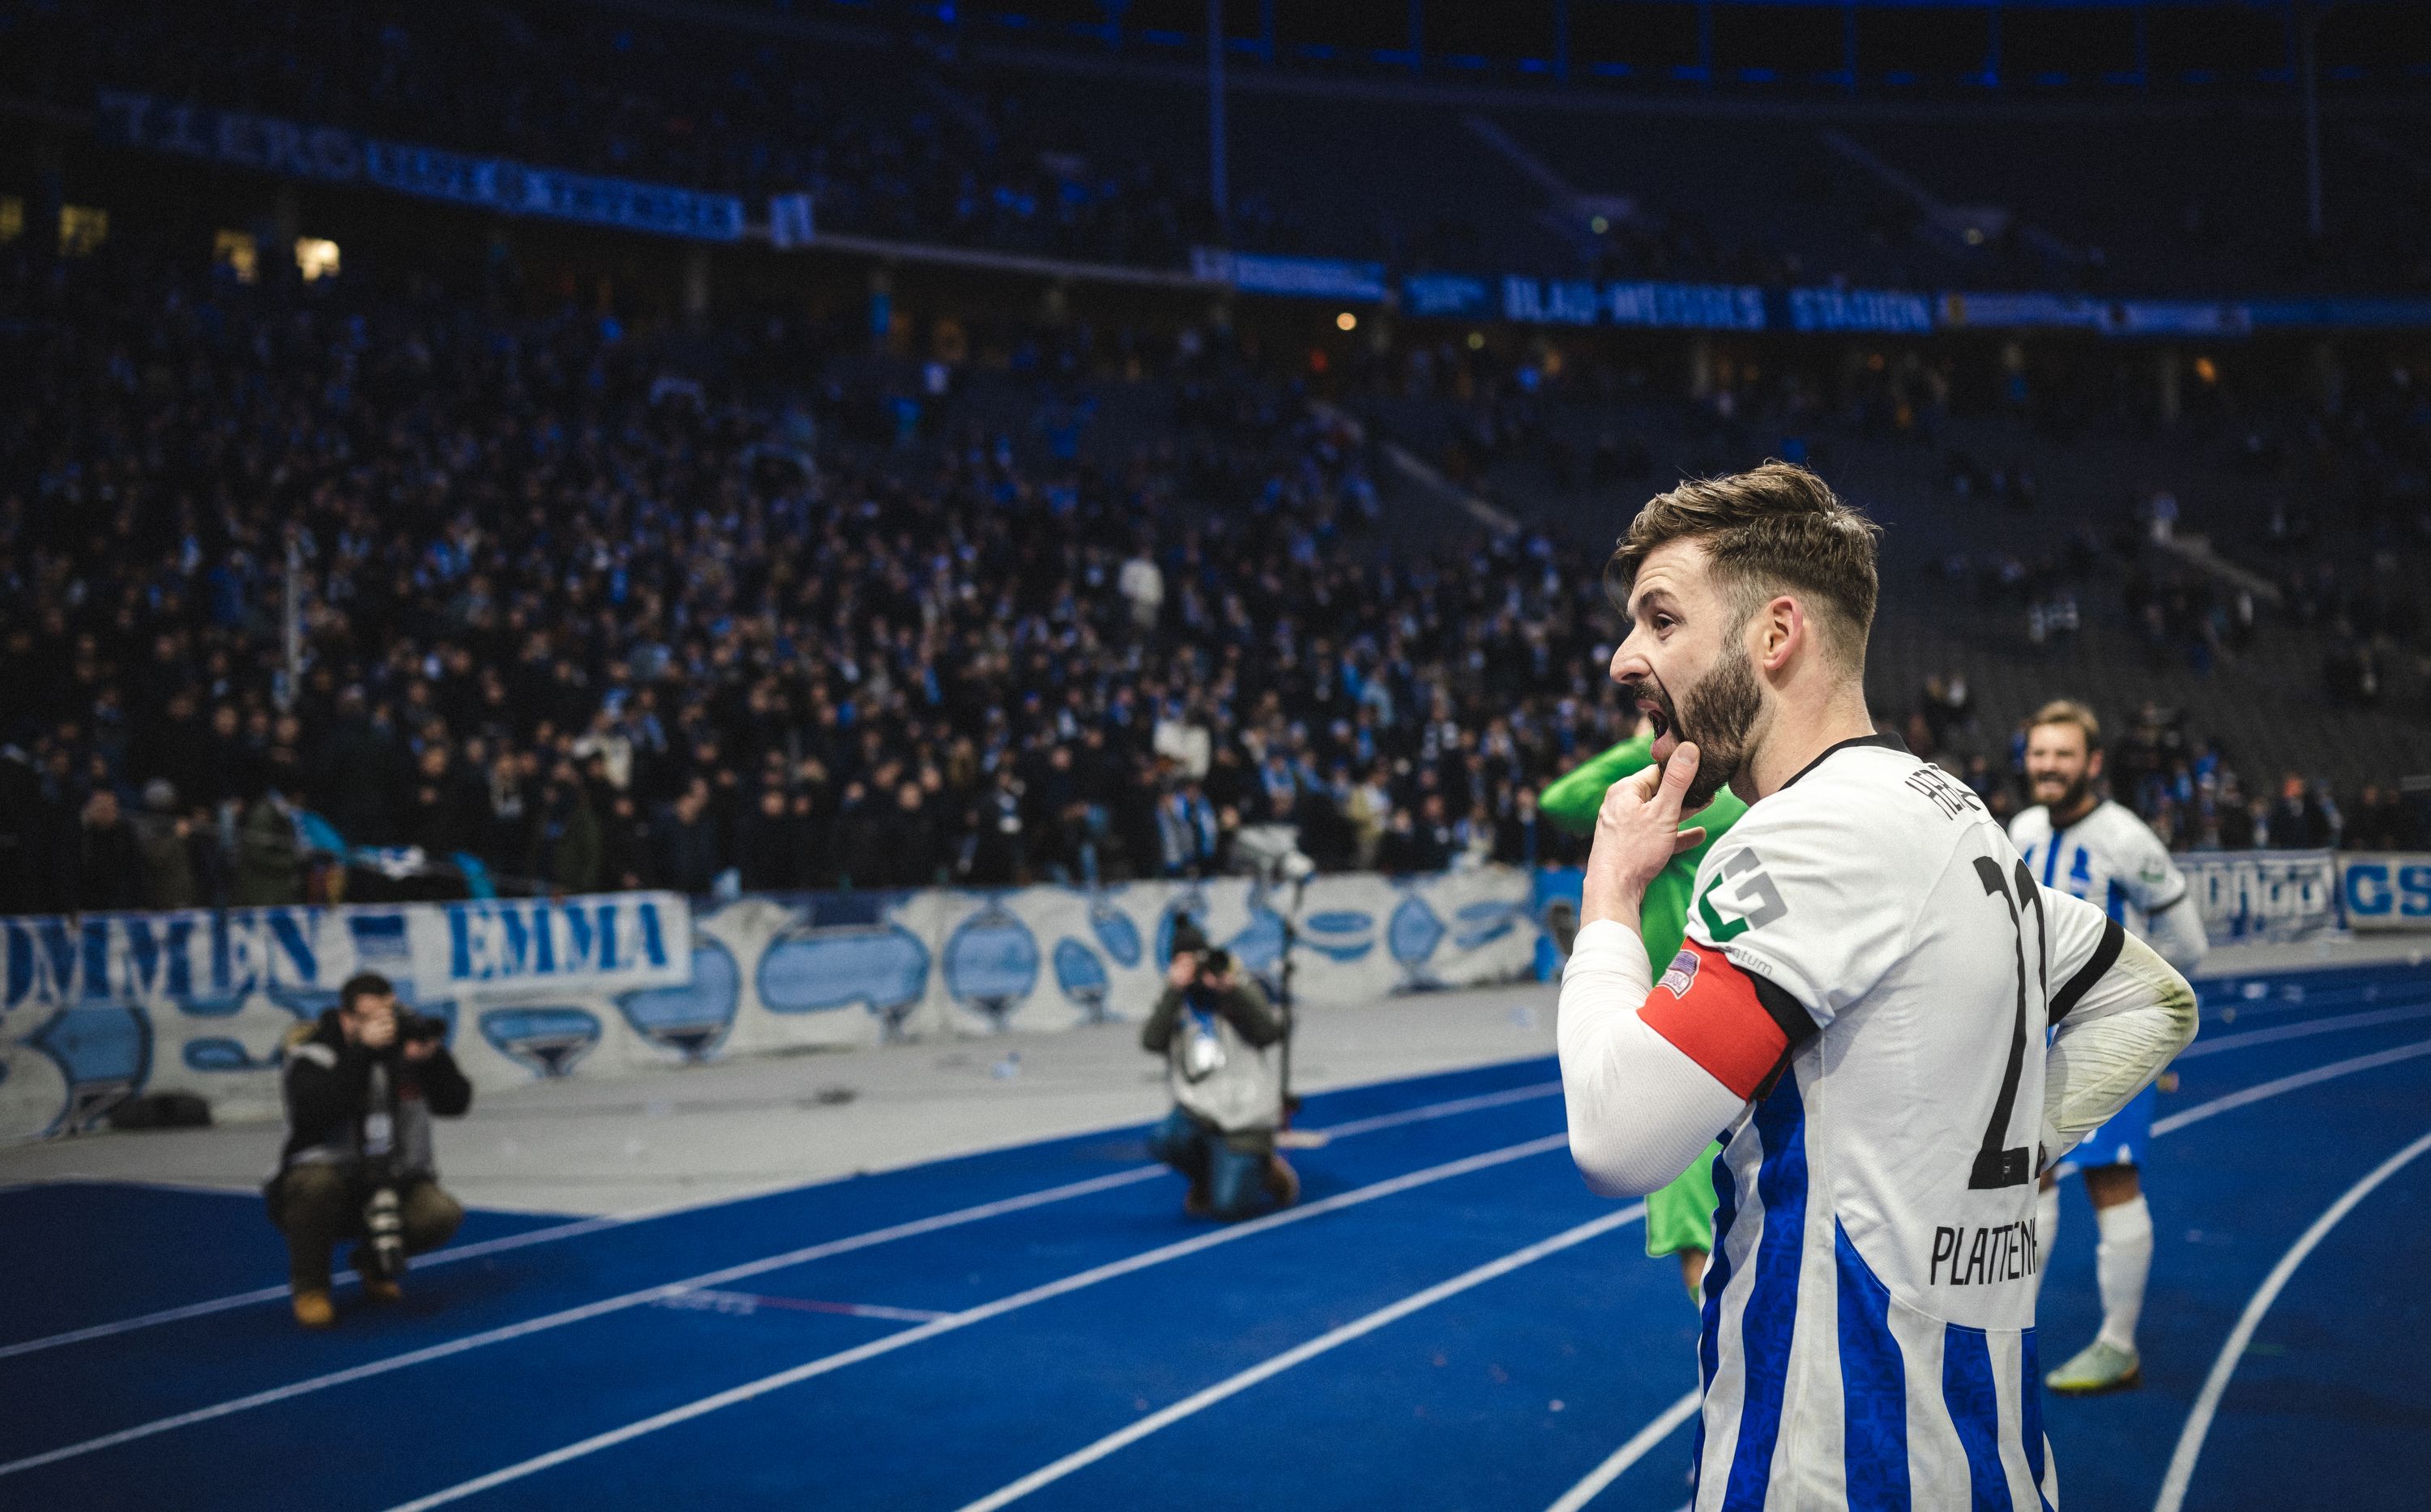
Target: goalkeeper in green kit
x=1680 y=1218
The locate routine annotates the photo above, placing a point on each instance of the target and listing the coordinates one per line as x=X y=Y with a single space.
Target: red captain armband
x=1739 y=1027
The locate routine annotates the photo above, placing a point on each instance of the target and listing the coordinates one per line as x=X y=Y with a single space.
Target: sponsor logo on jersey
x=1751 y=895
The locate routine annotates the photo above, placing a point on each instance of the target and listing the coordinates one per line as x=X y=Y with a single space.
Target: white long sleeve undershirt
x=2128 y=1026
x=1640 y=1110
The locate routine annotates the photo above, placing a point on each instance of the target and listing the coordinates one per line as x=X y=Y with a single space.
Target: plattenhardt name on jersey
x=2008 y=1251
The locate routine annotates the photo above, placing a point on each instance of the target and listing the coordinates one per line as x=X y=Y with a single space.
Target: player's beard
x=2071 y=796
x=1719 y=711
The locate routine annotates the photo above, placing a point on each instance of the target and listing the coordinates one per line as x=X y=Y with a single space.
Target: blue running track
x=1449 y=1320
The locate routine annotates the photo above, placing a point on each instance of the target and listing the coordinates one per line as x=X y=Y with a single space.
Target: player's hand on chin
x=1638 y=833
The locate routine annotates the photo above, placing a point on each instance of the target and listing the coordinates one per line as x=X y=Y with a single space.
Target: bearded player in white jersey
x=2092 y=848
x=1860 y=1008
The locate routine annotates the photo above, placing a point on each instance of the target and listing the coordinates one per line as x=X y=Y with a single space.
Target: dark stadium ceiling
x=1874 y=45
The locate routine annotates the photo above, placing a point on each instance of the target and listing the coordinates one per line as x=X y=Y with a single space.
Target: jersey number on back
x=1997 y=1163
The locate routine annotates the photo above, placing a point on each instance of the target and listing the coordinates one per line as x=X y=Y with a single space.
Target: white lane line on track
x=583 y=1313
x=2320 y=1026
x=263 y=1294
x=1044 y=1292
x=1276 y=1365
x=2287 y=1083
x=1441 y=1110
x=744 y=1303
x=2199 y=1421
x=2236 y=1008
x=593 y=1225
x=1628 y=1455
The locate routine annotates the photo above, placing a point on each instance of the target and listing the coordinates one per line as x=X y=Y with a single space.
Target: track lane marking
x=2291 y=1082
x=1298 y=1354
x=1638 y=1447
x=2320 y=1026
x=263 y=1294
x=1044 y=1292
x=744 y=1303
x=581 y=1314
x=1423 y=1114
x=2199 y=1421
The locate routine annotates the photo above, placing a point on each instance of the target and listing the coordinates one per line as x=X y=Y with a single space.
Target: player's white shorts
x=2121 y=1141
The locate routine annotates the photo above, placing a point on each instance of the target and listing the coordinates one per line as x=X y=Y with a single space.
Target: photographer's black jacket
x=328 y=1084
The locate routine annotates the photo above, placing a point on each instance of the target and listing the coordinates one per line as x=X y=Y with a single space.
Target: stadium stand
x=586 y=601
x=593 y=596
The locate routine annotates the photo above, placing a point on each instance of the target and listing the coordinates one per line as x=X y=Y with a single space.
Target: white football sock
x=2121 y=1262
x=2046 y=1230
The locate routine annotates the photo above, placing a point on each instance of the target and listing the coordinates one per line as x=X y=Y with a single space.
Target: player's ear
x=1781 y=625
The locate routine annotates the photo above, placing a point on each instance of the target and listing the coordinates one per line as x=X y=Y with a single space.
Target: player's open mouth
x=1656 y=720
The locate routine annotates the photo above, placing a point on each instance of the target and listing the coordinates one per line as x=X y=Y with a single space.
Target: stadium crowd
x=587 y=611
x=600 y=625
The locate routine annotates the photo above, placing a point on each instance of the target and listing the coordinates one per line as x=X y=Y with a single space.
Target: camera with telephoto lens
x=383 y=1251
x=1216 y=963
x=415 y=1028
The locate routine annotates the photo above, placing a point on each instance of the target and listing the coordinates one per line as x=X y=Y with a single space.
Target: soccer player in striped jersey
x=2092 y=848
x=1860 y=1006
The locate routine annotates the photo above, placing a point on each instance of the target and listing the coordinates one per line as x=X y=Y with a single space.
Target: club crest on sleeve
x=1682 y=972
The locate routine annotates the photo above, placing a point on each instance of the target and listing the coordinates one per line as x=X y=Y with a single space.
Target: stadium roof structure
x=1897 y=47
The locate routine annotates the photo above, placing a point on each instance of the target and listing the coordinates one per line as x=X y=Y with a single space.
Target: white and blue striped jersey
x=1869 y=1310
x=2109 y=858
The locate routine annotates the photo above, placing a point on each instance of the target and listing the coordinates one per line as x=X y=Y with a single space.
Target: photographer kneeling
x=361 y=1087
x=1213 y=1025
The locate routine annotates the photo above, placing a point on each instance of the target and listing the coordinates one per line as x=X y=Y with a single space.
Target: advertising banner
x=2385 y=891
x=2262 y=895
x=98 y=1008
x=272 y=145
x=101 y=1008
x=1887 y=310
x=1303 y=277
x=792 y=222
x=1686 y=305
x=1652 y=306
x=1444 y=297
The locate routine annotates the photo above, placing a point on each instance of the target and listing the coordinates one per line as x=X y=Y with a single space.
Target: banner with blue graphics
x=2262 y=895
x=2383 y=891
x=104 y=1007
x=1297 y=277
x=98 y=1008
x=270 y=144
x=780 y=972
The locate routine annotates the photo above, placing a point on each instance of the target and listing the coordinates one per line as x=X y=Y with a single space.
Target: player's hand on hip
x=1638 y=833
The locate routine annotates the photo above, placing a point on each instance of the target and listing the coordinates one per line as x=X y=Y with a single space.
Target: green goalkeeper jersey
x=1572 y=803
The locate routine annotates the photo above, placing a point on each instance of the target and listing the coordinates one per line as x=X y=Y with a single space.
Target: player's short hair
x=1776 y=527
x=361 y=985
x=2070 y=712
